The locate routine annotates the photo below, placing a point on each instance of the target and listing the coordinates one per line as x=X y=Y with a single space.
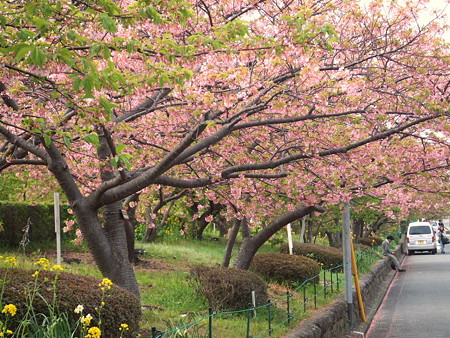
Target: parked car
x=420 y=236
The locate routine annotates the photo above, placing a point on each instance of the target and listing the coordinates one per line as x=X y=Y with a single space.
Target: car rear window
x=420 y=230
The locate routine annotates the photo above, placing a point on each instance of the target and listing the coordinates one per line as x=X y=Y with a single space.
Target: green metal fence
x=279 y=312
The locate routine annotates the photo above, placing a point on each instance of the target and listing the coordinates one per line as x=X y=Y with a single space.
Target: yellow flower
x=35 y=274
x=94 y=332
x=10 y=308
x=9 y=332
x=123 y=327
x=79 y=309
x=106 y=282
x=86 y=321
x=57 y=268
x=11 y=260
x=44 y=262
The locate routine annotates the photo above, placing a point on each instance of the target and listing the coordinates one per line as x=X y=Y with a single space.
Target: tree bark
x=250 y=245
x=230 y=243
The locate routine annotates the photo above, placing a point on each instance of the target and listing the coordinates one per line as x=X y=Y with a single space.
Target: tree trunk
x=303 y=230
x=334 y=239
x=130 y=225
x=107 y=244
x=357 y=228
x=250 y=245
x=222 y=225
x=230 y=243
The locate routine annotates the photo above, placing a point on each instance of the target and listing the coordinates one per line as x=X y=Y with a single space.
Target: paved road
x=417 y=303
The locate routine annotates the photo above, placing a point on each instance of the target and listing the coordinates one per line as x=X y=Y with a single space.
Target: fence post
x=315 y=294
x=331 y=281
x=254 y=302
x=304 y=298
x=210 y=322
x=288 y=295
x=325 y=283
x=153 y=332
x=249 y=318
x=337 y=280
x=269 y=316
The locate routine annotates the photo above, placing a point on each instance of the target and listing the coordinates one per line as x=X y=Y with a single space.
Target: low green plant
x=329 y=257
x=228 y=288
x=285 y=268
x=42 y=303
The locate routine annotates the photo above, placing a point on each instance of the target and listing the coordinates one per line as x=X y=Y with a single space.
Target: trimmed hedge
x=371 y=241
x=328 y=256
x=121 y=306
x=285 y=268
x=14 y=218
x=229 y=289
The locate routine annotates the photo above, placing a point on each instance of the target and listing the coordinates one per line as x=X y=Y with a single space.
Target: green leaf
x=125 y=159
x=22 y=52
x=67 y=142
x=115 y=162
x=37 y=56
x=120 y=148
x=108 y=23
x=93 y=138
x=108 y=105
x=47 y=140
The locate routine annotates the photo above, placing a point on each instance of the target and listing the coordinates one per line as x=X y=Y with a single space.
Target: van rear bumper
x=422 y=247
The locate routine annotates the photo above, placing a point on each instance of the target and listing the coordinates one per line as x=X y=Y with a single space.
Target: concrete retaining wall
x=332 y=321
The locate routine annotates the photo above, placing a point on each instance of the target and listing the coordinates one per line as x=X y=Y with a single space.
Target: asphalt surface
x=417 y=302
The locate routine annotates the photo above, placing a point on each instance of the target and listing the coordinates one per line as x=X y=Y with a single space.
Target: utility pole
x=346 y=241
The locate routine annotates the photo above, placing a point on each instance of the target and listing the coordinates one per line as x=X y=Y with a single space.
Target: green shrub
x=285 y=268
x=63 y=292
x=14 y=217
x=328 y=256
x=372 y=241
x=229 y=289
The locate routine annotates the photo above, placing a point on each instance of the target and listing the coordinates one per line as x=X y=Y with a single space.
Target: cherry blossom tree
x=309 y=101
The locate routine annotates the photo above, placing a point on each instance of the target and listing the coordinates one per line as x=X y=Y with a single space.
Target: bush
x=285 y=268
x=70 y=290
x=14 y=217
x=371 y=241
x=229 y=289
x=328 y=256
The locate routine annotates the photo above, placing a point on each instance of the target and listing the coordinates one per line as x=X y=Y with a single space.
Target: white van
x=421 y=237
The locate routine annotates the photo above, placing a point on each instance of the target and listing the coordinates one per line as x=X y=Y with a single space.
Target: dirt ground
x=74 y=257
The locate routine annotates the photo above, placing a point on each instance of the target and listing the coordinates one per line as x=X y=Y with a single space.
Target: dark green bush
x=285 y=268
x=372 y=241
x=229 y=289
x=328 y=256
x=14 y=218
x=120 y=306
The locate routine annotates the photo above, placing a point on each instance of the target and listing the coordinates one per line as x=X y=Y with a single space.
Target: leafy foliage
x=371 y=241
x=228 y=288
x=64 y=292
x=285 y=268
x=327 y=256
x=16 y=216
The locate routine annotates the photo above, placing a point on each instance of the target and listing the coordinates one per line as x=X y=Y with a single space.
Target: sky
x=443 y=5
